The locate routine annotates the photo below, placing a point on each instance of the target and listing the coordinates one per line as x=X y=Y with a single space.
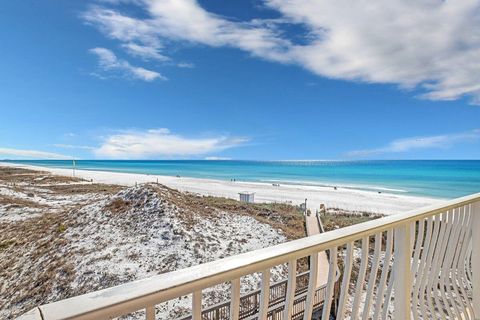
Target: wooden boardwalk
x=313 y=228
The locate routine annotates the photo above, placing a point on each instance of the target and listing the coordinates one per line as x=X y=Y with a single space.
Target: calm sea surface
x=433 y=178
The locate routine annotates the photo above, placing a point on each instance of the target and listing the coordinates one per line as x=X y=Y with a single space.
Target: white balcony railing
x=424 y=264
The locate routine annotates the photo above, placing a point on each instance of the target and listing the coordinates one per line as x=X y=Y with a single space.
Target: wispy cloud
x=30 y=154
x=418 y=143
x=365 y=40
x=109 y=62
x=188 y=65
x=161 y=143
x=144 y=52
x=217 y=158
x=72 y=146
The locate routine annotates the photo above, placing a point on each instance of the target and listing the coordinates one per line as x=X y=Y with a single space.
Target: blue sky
x=175 y=79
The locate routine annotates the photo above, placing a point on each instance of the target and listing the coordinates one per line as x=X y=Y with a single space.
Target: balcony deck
x=423 y=264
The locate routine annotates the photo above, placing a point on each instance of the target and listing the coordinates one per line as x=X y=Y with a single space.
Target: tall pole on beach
x=73 y=167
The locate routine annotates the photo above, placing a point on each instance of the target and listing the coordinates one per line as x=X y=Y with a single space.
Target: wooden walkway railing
x=249 y=303
x=423 y=264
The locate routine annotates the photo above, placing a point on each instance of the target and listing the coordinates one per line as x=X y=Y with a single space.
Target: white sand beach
x=343 y=198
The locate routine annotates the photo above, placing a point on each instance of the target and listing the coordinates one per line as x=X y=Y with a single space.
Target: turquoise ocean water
x=433 y=178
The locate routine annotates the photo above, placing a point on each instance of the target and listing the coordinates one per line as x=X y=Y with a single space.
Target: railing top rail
x=138 y=294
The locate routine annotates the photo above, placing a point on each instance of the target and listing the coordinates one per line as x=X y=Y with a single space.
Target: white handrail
x=140 y=294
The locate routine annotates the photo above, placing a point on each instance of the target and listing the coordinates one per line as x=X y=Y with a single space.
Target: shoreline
x=342 y=197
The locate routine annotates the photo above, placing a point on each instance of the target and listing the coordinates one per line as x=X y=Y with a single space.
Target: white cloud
x=109 y=62
x=32 y=154
x=185 y=20
x=161 y=143
x=418 y=143
x=429 y=44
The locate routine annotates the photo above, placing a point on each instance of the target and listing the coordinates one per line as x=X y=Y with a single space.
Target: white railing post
x=401 y=272
x=264 y=295
x=476 y=258
x=291 y=286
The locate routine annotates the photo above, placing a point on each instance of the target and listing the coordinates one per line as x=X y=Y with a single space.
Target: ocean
x=433 y=178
